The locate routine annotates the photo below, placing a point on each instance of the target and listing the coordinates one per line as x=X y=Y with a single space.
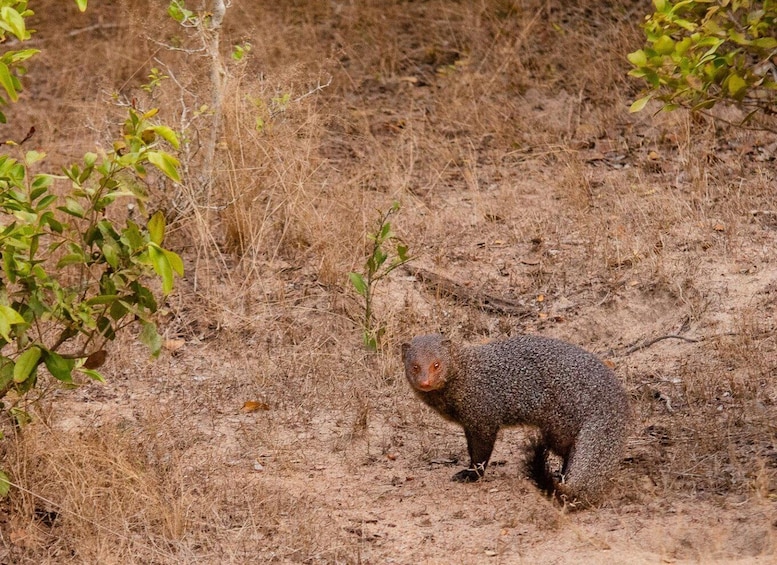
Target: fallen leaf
x=253 y=406
x=96 y=359
x=719 y=227
x=173 y=345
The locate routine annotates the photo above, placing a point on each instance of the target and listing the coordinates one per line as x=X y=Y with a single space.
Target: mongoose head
x=427 y=360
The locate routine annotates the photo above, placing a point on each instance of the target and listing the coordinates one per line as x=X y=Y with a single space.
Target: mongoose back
x=580 y=408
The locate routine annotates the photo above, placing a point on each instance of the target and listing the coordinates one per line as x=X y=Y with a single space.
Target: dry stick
x=217 y=75
x=447 y=287
x=650 y=342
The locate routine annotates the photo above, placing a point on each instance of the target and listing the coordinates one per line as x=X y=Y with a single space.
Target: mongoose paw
x=470 y=475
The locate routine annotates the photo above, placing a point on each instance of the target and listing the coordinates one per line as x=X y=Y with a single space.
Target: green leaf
x=151 y=338
x=637 y=58
x=7 y=82
x=156 y=228
x=106 y=328
x=73 y=207
x=111 y=252
x=118 y=310
x=176 y=11
x=735 y=84
x=6 y=372
x=385 y=232
x=8 y=316
x=165 y=163
x=640 y=103
x=92 y=374
x=664 y=45
x=175 y=261
x=380 y=258
x=81 y=5
x=26 y=364
x=358 y=283
x=162 y=267
x=132 y=237
x=59 y=367
x=738 y=38
x=143 y=297
x=402 y=252
x=23 y=55
x=15 y=22
x=32 y=157
x=767 y=43
x=683 y=45
x=5 y=484
x=168 y=134
x=71 y=259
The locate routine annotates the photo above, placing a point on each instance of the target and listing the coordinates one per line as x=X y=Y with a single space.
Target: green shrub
x=699 y=53
x=375 y=269
x=72 y=274
x=73 y=261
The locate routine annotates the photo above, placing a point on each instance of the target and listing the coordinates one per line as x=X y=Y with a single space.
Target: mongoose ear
x=446 y=343
x=405 y=349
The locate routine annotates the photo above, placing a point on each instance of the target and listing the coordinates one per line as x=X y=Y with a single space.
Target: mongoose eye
x=416 y=368
x=436 y=364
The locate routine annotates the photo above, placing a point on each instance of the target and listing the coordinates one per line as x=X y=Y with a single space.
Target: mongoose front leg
x=480 y=444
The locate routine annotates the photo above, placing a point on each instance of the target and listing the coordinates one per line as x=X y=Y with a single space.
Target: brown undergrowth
x=502 y=128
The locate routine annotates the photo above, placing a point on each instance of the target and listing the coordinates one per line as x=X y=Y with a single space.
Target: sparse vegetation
x=264 y=431
x=376 y=269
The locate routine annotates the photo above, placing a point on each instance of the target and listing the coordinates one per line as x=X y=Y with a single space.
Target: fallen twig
x=447 y=287
x=650 y=342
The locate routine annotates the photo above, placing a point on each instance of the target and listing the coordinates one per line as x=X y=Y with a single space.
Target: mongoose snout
x=580 y=408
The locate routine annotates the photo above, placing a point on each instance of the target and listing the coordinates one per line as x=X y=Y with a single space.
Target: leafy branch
x=376 y=269
x=701 y=53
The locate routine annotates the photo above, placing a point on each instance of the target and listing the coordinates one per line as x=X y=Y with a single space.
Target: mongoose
x=580 y=408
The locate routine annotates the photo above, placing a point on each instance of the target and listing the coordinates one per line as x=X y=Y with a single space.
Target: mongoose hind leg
x=480 y=444
x=537 y=452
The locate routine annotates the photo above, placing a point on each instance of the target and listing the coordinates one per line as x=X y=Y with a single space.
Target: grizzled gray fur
x=580 y=408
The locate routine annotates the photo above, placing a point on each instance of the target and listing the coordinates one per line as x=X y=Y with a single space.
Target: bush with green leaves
x=375 y=269
x=74 y=260
x=702 y=52
x=72 y=271
x=12 y=62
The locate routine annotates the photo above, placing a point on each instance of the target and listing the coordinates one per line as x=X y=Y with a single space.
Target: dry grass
x=502 y=128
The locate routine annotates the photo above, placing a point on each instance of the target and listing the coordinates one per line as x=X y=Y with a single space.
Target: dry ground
x=502 y=128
